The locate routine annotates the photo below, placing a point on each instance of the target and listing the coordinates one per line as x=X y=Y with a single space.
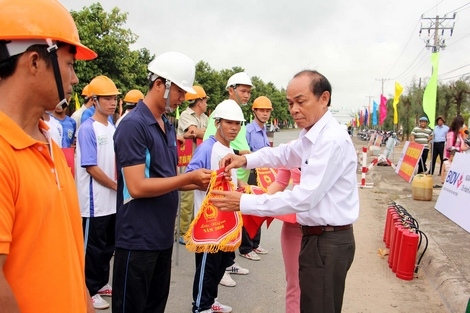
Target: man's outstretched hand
x=231 y=161
x=226 y=200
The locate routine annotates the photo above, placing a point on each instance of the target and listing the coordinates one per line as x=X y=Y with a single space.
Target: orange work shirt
x=40 y=224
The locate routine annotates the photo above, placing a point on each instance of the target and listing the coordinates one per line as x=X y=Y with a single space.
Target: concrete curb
x=439 y=269
x=446 y=279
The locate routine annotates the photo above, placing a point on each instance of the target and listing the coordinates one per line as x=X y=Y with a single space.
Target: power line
x=454 y=42
x=456 y=10
x=443 y=74
x=409 y=66
x=433 y=7
x=436 y=26
x=409 y=39
x=460 y=76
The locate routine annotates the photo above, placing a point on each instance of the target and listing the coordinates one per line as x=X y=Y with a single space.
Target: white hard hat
x=229 y=110
x=241 y=78
x=175 y=67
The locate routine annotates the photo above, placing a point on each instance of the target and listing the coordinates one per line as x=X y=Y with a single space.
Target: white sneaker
x=227 y=281
x=106 y=291
x=99 y=303
x=260 y=250
x=251 y=256
x=218 y=307
x=237 y=269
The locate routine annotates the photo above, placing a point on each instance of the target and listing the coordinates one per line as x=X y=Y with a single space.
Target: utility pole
x=436 y=25
x=434 y=38
x=383 y=81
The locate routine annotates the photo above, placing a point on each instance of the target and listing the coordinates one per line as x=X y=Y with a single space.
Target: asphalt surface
x=445 y=266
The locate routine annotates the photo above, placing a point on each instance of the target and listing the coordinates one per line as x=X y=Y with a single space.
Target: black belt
x=318 y=230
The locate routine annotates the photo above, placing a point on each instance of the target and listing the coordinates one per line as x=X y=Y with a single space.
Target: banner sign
x=371 y=140
x=455 y=194
x=378 y=140
x=185 y=152
x=70 y=157
x=409 y=159
x=265 y=177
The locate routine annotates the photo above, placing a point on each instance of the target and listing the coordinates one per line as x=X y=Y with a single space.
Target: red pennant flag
x=213 y=230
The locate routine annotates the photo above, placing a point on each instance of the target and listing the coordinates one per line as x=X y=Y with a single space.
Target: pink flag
x=383 y=109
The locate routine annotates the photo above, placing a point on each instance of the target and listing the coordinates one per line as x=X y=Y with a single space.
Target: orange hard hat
x=85 y=91
x=262 y=102
x=26 y=23
x=200 y=94
x=133 y=96
x=102 y=86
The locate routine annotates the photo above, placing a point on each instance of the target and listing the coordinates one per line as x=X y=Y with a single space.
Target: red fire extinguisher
x=393 y=242
x=398 y=247
x=407 y=255
x=386 y=238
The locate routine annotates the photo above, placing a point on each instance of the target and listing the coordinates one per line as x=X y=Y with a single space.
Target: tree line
x=105 y=34
x=452 y=99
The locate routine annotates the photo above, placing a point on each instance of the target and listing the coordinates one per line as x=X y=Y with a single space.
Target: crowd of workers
x=442 y=141
x=58 y=234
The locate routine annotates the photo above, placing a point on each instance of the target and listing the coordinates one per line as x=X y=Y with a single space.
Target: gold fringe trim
x=224 y=245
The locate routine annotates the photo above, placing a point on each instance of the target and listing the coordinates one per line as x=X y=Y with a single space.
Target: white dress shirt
x=327 y=193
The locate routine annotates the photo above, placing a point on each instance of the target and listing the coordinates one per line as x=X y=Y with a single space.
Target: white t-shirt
x=207 y=155
x=55 y=129
x=95 y=147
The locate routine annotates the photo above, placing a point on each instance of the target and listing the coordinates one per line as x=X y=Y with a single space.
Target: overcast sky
x=355 y=44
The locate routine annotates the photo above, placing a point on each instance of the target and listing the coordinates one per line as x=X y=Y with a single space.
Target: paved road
x=371 y=286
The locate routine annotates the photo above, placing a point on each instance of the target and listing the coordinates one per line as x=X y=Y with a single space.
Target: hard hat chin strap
x=98 y=105
x=166 y=96
x=52 y=49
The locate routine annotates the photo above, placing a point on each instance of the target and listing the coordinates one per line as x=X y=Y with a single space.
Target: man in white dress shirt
x=326 y=200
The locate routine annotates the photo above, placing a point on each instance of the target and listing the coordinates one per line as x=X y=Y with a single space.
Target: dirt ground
x=371 y=284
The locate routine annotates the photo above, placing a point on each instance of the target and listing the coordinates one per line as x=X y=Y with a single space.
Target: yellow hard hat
x=133 y=96
x=200 y=94
x=262 y=102
x=102 y=86
x=85 y=91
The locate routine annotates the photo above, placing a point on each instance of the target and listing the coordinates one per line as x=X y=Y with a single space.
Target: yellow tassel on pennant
x=213 y=230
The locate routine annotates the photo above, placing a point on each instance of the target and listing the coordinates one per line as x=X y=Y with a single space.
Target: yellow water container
x=421 y=187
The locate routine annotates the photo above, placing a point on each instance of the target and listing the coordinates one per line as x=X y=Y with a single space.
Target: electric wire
x=406 y=45
x=456 y=10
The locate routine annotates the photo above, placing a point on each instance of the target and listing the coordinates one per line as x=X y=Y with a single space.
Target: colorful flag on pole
x=383 y=109
x=77 y=102
x=374 y=114
x=396 y=99
x=177 y=115
x=357 y=121
x=430 y=93
x=366 y=117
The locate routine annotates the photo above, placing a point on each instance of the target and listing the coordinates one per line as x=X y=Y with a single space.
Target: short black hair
x=8 y=66
x=319 y=83
x=151 y=82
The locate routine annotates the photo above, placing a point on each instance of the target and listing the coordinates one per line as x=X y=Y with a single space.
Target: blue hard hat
x=423 y=118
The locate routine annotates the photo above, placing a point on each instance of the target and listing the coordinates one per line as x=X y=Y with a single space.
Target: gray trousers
x=324 y=262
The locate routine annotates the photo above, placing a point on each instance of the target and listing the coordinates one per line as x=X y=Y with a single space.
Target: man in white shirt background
x=326 y=200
